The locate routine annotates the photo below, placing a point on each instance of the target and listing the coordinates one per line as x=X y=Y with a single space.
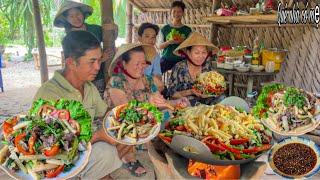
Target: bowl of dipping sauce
x=294 y=158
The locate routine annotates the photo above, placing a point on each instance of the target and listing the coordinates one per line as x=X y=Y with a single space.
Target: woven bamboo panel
x=192 y=17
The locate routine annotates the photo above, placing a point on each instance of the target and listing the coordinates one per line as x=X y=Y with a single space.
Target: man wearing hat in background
x=71 y=16
x=83 y=57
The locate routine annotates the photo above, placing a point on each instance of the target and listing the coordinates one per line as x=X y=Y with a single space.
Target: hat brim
x=195 y=39
x=148 y=50
x=60 y=20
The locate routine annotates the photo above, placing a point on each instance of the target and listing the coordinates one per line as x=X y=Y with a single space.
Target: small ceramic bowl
x=291 y=140
x=256 y=68
x=228 y=66
x=243 y=68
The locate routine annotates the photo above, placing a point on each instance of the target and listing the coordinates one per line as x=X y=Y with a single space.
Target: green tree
x=119 y=14
x=17 y=21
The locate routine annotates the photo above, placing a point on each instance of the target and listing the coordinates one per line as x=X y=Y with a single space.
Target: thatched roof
x=163 y=5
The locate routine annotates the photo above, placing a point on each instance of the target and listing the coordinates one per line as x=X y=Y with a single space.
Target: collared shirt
x=154 y=68
x=58 y=87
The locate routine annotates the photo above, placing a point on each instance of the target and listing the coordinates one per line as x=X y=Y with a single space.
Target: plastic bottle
x=256 y=52
x=250 y=99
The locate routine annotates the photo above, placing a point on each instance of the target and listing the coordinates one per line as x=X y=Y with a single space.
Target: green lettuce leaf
x=77 y=112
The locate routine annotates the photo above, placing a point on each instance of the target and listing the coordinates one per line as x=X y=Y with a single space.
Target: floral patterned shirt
x=119 y=81
x=181 y=80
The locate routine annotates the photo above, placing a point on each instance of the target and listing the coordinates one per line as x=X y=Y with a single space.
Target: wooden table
x=251 y=75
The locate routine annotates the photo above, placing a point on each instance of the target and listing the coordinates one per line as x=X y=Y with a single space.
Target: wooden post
x=109 y=29
x=214 y=34
x=40 y=40
x=129 y=22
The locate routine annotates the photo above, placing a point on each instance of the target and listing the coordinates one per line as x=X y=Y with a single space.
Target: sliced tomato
x=64 y=114
x=31 y=142
x=269 y=98
x=253 y=150
x=52 y=151
x=239 y=141
x=165 y=138
x=75 y=125
x=54 y=172
x=180 y=128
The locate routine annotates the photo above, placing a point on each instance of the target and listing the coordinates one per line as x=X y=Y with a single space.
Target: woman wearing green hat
x=71 y=16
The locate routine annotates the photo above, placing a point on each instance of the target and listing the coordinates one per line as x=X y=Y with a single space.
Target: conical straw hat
x=60 y=20
x=194 y=39
x=149 y=51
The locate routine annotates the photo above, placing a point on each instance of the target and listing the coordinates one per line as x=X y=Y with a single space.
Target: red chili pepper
x=31 y=143
x=213 y=144
x=8 y=125
x=64 y=114
x=233 y=150
x=19 y=146
x=165 y=138
x=253 y=150
x=239 y=141
x=215 y=147
x=54 y=172
x=52 y=151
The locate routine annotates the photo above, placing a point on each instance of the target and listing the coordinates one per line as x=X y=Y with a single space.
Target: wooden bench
x=36 y=59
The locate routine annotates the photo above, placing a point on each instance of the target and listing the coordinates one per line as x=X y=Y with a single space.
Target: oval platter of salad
x=133 y=123
x=50 y=142
x=287 y=110
x=210 y=83
x=217 y=134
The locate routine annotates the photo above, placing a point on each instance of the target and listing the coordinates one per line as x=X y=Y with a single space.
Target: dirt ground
x=21 y=81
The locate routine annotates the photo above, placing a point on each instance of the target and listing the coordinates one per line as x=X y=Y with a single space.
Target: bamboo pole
x=129 y=22
x=190 y=25
x=109 y=31
x=136 y=5
x=40 y=41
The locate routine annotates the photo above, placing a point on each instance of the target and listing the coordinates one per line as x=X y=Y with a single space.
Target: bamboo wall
x=192 y=18
x=302 y=66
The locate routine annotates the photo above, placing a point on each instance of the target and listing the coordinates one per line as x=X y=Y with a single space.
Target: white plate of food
x=133 y=123
x=210 y=83
x=49 y=145
x=287 y=110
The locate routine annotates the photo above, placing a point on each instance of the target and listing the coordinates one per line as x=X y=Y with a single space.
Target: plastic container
x=250 y=99
x=275 y=55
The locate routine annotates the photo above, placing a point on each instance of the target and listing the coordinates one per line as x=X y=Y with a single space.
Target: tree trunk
x=109 y=29
x=40 y=40
x=129 y=22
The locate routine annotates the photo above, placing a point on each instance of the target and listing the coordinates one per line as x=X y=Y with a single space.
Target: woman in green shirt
x=71 y=16
x=173 y=35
